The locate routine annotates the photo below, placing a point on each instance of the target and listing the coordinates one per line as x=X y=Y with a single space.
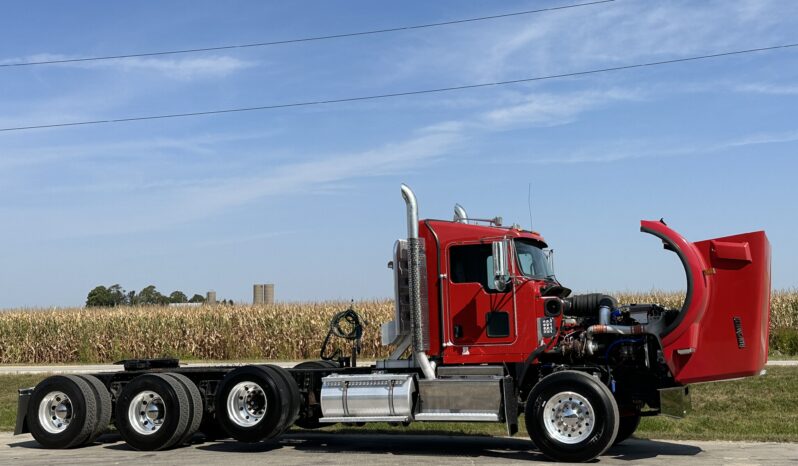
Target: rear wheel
x=571 y=416
x=195 y=406
x=291 y=391
x=312 y=412
x=102 y=397
x=62 y=412
x=627 y=427
x=253 y=404
x=153 y=412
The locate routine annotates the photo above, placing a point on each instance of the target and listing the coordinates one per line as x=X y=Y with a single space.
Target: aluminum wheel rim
x=246 y=404
x=55 y=412
x=569 y=417
x=146 y=413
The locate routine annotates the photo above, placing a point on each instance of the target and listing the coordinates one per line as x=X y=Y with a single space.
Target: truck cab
x=475 y=315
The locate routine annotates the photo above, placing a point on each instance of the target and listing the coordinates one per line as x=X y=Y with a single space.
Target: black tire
x=79 y=408
x=195 y=406
x=102 y=398
x=292 y=391
x=567 y=400
x=273 y=397
x=311 y=421
x=626 y=427
x=321 y=364
x=175 y=411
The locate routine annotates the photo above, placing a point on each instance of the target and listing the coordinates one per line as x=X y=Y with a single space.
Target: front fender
x=721 y=331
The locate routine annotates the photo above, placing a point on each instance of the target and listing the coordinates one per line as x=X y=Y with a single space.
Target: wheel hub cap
x=246 y=404
x=568 y=417
x=147 y=412
x=55 y=412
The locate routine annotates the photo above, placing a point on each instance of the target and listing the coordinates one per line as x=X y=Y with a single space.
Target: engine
x=595 y=329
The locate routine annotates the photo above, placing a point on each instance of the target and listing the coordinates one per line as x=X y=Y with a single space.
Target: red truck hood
x=722 y=329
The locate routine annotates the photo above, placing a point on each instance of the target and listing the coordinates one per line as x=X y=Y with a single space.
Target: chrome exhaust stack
x=460 y=215
x=415 y=283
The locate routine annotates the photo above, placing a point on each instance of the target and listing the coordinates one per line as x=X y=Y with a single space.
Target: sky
x=308 y=198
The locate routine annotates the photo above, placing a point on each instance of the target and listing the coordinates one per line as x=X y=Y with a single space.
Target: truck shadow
x=639 y=449
x=108 y=440
x=436 y=444
x=432 y=444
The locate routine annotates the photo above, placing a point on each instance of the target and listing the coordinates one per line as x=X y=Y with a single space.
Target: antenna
x=529 y=201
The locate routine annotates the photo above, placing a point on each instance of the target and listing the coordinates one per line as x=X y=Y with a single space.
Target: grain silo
x=263 y=294
x=210 y=297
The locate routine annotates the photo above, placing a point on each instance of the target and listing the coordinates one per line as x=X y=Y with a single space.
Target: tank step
x=459 y=416
x=366 y=419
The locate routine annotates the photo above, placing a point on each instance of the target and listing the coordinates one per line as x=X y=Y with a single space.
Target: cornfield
x=280 y=331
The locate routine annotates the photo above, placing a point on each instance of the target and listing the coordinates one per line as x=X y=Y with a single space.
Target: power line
x=404 y=93
x=303 y=39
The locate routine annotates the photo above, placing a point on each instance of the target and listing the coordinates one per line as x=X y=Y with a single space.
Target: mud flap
x=510 y=406
x=21 y=426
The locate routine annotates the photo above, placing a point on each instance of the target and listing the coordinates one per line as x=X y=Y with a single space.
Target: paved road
x=94 y=368
x=325 y=448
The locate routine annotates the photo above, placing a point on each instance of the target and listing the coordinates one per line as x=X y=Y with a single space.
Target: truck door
x=478 y=313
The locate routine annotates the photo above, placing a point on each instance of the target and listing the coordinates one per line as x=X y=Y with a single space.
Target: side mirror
x=501 y=271
x=550 y=259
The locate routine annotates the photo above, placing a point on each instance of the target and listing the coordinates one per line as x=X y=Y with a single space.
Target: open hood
x=721 y=331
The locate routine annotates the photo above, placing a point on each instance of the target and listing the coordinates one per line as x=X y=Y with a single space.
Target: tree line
x=115 y=295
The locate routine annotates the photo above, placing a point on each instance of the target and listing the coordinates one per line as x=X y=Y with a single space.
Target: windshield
x=532 y=260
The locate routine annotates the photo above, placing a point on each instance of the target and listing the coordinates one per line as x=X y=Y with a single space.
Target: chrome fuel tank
x=367 y=396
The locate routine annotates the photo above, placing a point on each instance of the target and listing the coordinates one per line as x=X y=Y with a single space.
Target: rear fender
x=721 y=331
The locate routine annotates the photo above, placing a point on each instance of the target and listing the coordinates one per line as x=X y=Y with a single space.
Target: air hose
x=354 y=333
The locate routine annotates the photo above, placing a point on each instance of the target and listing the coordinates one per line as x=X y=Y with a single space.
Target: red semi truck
x=483 y=332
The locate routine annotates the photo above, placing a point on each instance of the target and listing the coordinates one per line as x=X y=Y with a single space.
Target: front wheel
x=627 y=427
x=571 y=416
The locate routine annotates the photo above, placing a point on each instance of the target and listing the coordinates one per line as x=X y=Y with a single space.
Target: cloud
x=86 y=104
x=610 y=34
x=762 y=138
x=183 y=68
x=160 y=204
x=202 y=144
x=424 y=147
x=646 y=149
x=768 y=88
x=191 y=199
x=241 y=239
x=546 y=109
x=604 y=35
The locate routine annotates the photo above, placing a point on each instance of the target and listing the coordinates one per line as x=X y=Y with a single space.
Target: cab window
x=472 y=263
